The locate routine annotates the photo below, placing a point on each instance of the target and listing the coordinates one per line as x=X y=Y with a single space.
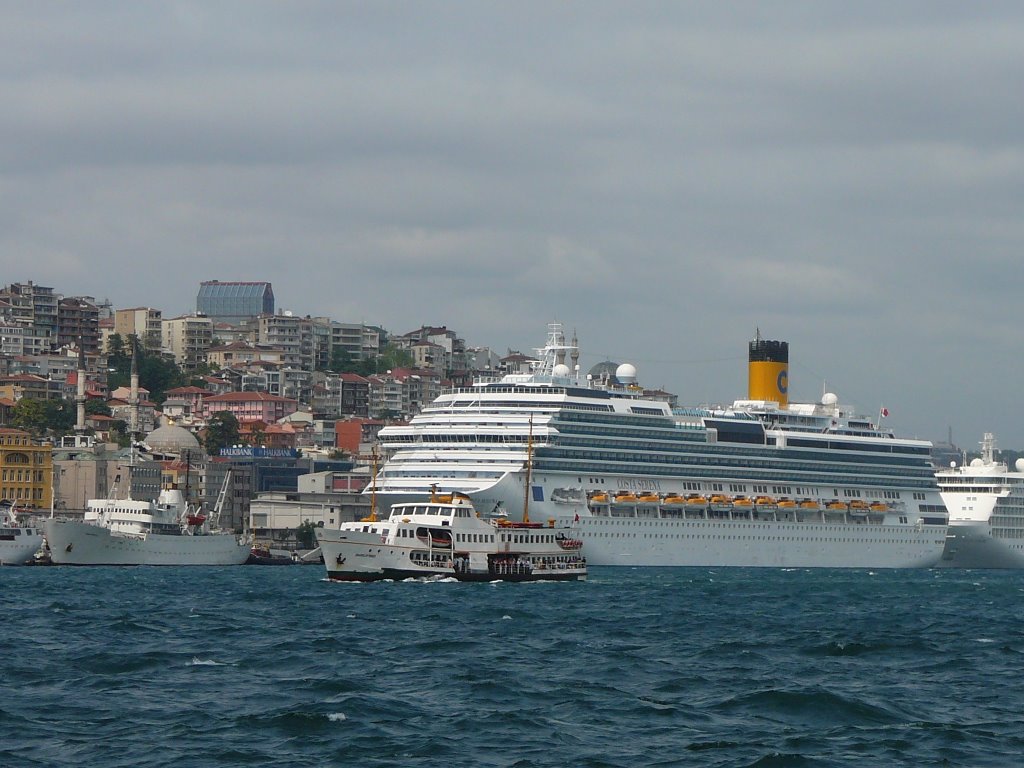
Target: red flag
x=885 y=411
x=577 y=518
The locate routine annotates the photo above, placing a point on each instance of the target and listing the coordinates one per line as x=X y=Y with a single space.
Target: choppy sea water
x=249 y=666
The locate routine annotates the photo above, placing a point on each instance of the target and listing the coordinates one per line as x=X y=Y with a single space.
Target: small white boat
x=18 y=543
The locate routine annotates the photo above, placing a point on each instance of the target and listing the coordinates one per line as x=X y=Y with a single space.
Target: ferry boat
x=166 y=531
x=602 y=433
x=18 y=543
x=443 y=537
x=985 y=500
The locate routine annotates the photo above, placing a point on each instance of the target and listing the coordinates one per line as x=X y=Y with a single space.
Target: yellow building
x=26 y=470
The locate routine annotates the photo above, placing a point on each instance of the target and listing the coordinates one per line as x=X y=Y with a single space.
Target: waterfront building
x=26 y=470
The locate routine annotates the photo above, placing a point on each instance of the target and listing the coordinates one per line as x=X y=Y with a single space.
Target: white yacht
x=443 y=537
x=167 y=531
x=18 y=543
x=865 y=498
x=985 y=501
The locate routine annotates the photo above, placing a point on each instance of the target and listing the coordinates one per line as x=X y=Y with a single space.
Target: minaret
x=80 y=396
x=133 y=397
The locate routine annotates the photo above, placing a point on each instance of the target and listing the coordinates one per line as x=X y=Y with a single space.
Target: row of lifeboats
x=720 y=501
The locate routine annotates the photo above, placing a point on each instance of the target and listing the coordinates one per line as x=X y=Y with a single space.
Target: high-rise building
x=143 y=322
x=189 y=339
x=33 y=306
x=234 y=302
x=78 y=321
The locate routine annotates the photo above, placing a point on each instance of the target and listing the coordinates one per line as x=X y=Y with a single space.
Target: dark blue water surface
x=247 y=666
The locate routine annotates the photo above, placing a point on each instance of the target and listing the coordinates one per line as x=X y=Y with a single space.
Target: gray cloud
x=663 y=178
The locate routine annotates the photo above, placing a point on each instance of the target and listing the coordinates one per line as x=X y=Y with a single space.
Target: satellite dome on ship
x=626 y=373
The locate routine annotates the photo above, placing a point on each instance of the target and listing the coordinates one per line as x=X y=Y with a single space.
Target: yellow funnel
x=768 y=371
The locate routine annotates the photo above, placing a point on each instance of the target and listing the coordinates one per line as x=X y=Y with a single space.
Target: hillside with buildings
x=122 y=401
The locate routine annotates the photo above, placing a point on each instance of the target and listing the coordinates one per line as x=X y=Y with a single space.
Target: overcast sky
x=664 y=178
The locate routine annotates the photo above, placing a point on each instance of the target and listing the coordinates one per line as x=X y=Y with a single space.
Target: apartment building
x=144 y=322
x=188 y=338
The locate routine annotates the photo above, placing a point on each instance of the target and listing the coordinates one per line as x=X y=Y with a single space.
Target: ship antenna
x=373 y=486
x=188 y=471
x=529 y=463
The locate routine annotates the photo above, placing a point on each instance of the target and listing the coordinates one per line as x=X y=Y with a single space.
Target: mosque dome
x=605 y=372
x=171 y=438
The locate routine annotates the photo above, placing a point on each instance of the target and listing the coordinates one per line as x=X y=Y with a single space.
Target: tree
x=115 y=346
x=258 y=434
x=305 y=535
x=30 y=415
x=156 y=373
x=342 y=362
x=60 y=415
x=393 y=357
x=221 y=432
x=119 y=431
x=96 y=407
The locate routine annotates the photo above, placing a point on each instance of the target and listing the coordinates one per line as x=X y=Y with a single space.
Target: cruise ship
x=762 y=482
x=985 y=500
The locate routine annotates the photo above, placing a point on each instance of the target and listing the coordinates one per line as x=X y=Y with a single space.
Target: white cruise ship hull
x=717 y=543
x=724 y=543
x=20 y=549
x=971 y=545
x=76 y=543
